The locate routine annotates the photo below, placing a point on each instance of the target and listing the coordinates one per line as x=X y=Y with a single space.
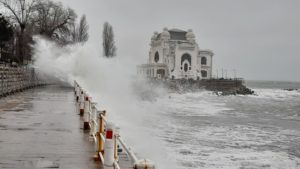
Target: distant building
x=174 y=54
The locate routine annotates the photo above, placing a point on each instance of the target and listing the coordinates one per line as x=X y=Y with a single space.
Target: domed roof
x=177 y=34
x=154 y=37
x=165 y=33
x=190 y=34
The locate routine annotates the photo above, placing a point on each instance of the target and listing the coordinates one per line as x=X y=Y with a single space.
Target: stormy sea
x=186 y=130
x=204 y=130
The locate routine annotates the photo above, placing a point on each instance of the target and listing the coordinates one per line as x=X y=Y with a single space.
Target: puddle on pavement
x=47 y=164
x=13 y=110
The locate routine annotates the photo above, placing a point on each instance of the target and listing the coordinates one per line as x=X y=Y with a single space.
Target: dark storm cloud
x=260 y=39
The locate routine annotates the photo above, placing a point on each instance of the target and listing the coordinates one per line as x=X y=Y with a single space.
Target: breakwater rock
x=219 y=86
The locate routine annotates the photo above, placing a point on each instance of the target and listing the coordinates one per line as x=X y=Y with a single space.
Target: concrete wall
x=15 y=79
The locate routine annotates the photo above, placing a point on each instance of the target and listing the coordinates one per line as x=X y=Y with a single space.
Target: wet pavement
x=40 y=128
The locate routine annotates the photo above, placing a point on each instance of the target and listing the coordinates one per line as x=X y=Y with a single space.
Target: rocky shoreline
x=218 y=86
x=242 y=90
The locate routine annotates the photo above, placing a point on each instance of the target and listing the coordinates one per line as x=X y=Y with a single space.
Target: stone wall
x=225 y=86
x=15 y=79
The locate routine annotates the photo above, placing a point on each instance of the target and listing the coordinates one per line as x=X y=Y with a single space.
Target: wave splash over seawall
x=109 y=82
x=182 y=131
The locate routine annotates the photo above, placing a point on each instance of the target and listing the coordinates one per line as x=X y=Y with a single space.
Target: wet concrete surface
x=40 y=128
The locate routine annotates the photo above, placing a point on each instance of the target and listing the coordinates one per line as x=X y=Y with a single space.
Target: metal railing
x=104 y=134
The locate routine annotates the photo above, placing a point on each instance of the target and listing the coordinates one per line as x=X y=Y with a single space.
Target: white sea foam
x=233 y=147
x=278 y=94
x=190 y=104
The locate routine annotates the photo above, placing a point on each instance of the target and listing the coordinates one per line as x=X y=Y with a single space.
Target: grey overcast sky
x=258 y=38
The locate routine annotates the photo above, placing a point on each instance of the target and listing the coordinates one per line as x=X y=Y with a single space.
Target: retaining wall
x=15 y=79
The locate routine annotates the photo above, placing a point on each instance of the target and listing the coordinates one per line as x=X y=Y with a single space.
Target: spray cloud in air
x=109 y=82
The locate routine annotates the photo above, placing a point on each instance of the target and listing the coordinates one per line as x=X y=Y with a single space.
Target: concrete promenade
x=40 y=128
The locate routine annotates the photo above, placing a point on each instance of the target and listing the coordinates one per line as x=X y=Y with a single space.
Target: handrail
x=98 y=125
x=128 y=150
x=116 y=165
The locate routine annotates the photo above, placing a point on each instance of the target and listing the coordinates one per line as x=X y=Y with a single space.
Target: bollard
x=81 y=103
x=144 y=164
x=109 y=145
x=86 y=116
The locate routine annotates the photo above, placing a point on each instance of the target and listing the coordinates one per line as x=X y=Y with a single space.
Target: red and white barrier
x=109 y=145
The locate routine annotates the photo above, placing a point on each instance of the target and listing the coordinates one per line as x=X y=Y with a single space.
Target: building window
x=203 y=73
x=156 y=57
x=186 y=57
x=203 y=61
x=186 y=67
x=161 y=72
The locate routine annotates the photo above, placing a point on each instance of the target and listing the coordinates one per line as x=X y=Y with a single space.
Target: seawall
x=220 y=86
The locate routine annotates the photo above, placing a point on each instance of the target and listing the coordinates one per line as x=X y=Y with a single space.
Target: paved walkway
x=40 y=128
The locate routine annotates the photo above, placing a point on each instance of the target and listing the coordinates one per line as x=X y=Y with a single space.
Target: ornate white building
x=174 y=54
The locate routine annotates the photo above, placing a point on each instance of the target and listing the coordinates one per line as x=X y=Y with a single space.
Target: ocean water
x=203 y=130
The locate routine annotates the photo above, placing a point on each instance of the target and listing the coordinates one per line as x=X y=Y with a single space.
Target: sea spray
x=109 y=82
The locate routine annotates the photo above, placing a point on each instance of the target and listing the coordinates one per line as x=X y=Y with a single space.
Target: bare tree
x=22 y=12
x=55 y=21
x=80 y=31
x=109 y=47
x=83 y=28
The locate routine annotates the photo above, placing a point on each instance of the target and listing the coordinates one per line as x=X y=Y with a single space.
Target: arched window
x=203 y=73
x=186 y=57
x=156 y=57
x=185 y=67
x=203 y=61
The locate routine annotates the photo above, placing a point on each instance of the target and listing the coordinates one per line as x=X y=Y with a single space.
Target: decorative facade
x=174 y=54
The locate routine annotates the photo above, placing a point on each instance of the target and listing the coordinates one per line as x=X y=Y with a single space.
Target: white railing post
x=77 y=93
x=81 y=103
x=86 y=115
x=93 y=120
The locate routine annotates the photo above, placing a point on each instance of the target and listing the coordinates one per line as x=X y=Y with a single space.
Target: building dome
x=154 y=37
x=190 y=35
x=165 y=34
